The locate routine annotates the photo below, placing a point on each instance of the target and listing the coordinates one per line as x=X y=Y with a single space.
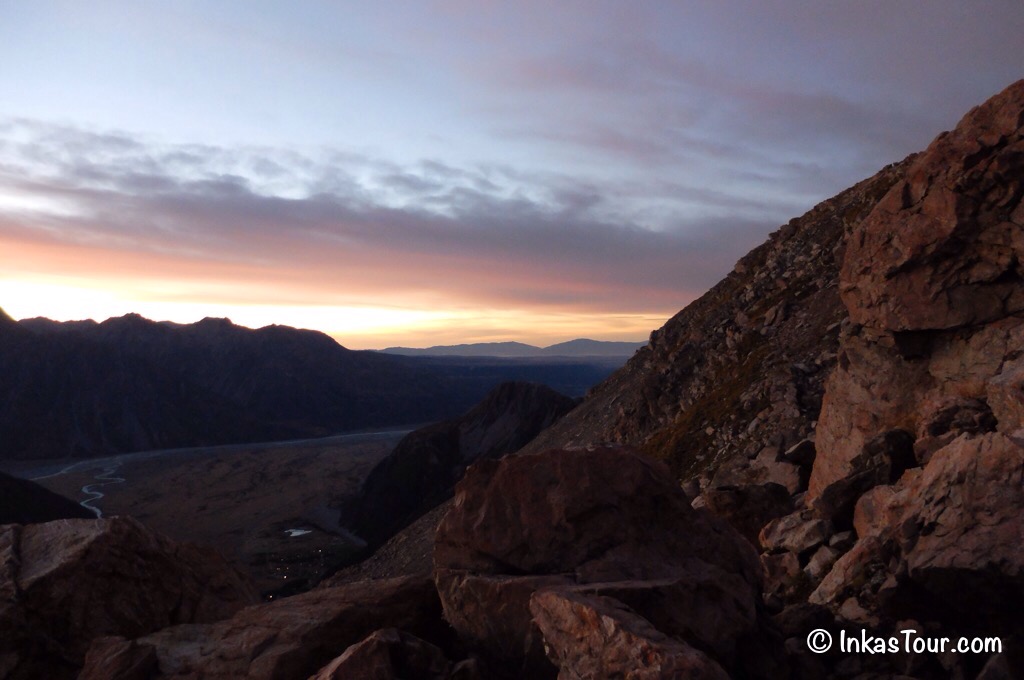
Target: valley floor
x=264 y=506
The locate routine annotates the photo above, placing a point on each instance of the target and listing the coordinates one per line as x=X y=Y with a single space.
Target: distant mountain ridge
x=84 y=389
x=581 y=347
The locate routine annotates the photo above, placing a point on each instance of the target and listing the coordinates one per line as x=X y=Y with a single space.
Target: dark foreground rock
x=590 y=637
x=607 y=523
x=67 y=582
x=292 y=638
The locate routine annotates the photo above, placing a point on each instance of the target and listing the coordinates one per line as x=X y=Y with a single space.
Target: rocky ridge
x=743 y=367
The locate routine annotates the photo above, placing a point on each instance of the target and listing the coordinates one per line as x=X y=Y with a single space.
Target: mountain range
x=581 y=347
x=129 y=384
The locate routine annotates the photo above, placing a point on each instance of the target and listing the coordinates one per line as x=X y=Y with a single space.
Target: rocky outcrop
x=25 y=502
x=920 y=443
x=67 y=582
x=422 y=470
x=606 y=522
x=292 y=638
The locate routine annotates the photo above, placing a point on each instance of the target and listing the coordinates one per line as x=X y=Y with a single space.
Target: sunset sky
x=419 y=173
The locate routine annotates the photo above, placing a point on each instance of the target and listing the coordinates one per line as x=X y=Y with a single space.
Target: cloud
x=342 y=226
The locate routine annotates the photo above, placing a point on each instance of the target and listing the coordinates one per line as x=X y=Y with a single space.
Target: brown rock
x=821 y=562
x=766 y=468
x=586 y=517
x=388 y=654
x=70 y=581
x=114 y=657
x=782 y=574
x=290 y=638
x=603 y=514
x=592 y=637
x=932 y=279
x=798 y=533
x=884 y=460
x=946 y=544
x=749 y=508
x=940 y=250
x=491 y=613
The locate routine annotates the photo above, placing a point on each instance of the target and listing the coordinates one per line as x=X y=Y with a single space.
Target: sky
x=420 y=173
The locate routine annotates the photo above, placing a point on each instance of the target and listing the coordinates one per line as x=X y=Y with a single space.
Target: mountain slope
x=422 y=470
x=25 y=502
x=130 y=384
x=745 y=364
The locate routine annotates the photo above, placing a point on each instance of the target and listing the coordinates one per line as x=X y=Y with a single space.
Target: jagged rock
x=797 y=533
x=609 y=518
x=948 y=535
x=291 y=638
x=67 y=582
x=766 y=468
x=821 y=562
x=933 y=281
x=842 y=541
x=388 y=654
x=943 y=249
x=491 y=613
x=749 y=508
x=591 y=637
x=782 y=574
x=884 y=460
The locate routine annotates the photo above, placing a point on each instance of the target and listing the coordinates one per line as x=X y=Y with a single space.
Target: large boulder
x=606 y=522
x=291 y=638
x=596 y=514
x=67 y=582
x=590 y=637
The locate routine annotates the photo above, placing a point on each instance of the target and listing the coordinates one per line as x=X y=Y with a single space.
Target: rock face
x=385 y=654
x=292 y=638
x=607 y=521
x=422 y=470
x=67 y=582
x=934 y=286
x=25 y=502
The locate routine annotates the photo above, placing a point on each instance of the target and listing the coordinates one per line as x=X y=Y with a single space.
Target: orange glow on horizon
x=71 y=282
